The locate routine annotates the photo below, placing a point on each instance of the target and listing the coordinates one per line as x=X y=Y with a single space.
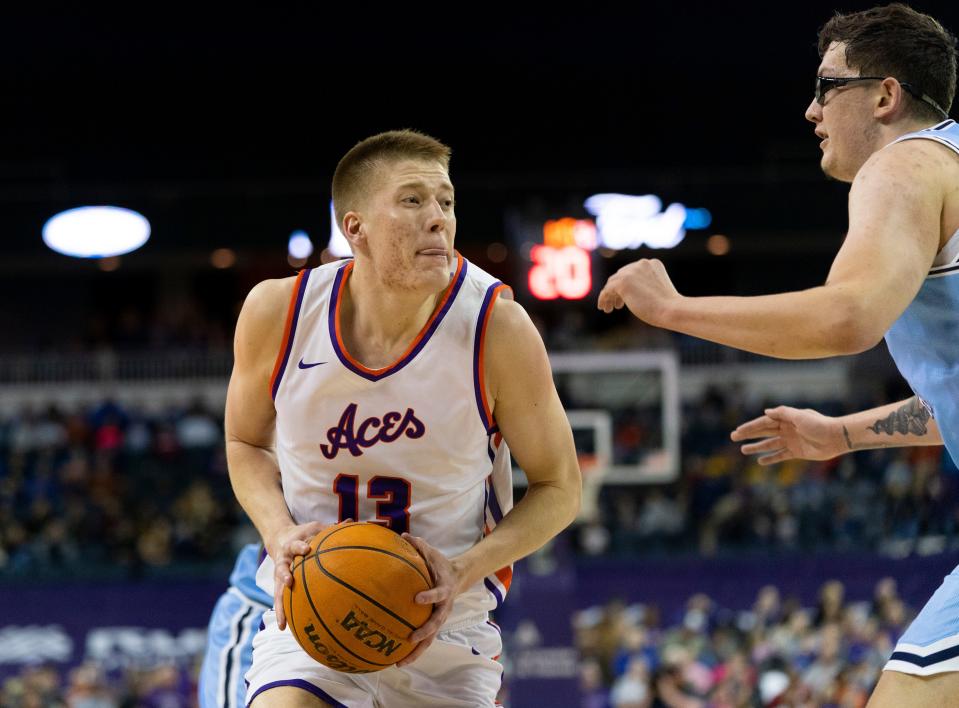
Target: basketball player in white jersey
x=386 y=388
x=886 y=80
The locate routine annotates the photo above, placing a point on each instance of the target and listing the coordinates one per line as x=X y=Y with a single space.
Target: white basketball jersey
x=413 y=445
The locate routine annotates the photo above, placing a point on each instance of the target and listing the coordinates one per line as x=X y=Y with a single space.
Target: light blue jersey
x=229 y=646
x=924 y=341
x=243 y=577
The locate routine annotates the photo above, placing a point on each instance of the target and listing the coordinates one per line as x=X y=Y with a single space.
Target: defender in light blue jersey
x=885 y=83
x=229 y=645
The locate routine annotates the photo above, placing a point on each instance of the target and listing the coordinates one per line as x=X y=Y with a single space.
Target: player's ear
x=891 y=98
x=354 y=229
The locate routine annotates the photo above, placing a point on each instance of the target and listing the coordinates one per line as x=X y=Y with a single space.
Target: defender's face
x=410 y=225
x=844 y=122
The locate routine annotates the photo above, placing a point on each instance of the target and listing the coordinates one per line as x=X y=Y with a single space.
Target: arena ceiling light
x=300 y=246
x=96 y=231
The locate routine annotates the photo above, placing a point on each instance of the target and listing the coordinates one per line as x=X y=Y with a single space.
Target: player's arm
x=895 y=206
x=530 y=416
x=250 y=427
x=786 y=433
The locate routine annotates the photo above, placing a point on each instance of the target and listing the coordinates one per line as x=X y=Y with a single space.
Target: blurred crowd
x=110 y=489
x=88 y=686
x=139 y=322
x=896 y=501
x=120 y=487
x=777 y=653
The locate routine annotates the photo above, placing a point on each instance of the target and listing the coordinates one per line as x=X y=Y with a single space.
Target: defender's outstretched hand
x=791 y=433
x=644 y=287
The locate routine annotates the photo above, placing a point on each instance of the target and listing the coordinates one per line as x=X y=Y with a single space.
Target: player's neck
x=380 y=322
x=895 y=131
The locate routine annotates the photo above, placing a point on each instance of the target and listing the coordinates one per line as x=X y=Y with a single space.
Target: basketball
x=352 y=604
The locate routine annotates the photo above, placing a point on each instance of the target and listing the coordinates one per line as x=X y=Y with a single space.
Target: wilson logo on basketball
x=370 y=637
x=348 y=436
x=332 y=660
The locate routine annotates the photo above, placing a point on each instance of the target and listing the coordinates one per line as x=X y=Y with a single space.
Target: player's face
x=410 y=225
x=844 y=121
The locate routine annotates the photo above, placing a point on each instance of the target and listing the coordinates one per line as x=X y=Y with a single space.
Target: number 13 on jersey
x=392 y=495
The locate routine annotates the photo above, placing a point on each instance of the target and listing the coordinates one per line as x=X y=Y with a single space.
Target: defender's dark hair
x=895 y=40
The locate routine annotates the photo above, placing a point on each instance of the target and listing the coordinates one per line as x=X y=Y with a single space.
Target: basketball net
x=593 y=467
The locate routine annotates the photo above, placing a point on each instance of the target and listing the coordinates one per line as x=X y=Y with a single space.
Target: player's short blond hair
x=356 y=171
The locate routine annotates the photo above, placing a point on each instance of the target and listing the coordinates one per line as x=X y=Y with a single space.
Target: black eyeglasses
x=826 y=83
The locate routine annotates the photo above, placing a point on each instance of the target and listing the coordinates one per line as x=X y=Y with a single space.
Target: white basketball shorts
x=460 y=668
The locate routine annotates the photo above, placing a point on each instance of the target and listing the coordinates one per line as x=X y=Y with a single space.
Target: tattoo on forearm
x=849 y=444
x=863 y=446
x=911 y=418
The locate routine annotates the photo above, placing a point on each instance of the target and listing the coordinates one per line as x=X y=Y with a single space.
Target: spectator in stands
x=88 y=689
x=829 y=607
x=592 y=688
x=632 y=688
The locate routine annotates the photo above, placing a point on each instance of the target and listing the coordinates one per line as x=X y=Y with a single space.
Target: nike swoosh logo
x=309 y=366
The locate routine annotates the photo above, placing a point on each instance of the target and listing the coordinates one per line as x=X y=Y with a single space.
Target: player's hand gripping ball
x=352 y=604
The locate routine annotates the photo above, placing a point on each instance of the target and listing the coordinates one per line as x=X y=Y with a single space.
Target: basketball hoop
x=594 y=432
x=593 y=468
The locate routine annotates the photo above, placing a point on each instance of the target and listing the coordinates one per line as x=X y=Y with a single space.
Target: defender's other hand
x=791 y=433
